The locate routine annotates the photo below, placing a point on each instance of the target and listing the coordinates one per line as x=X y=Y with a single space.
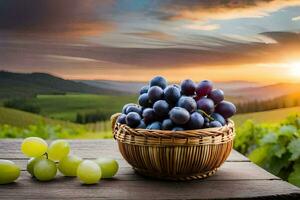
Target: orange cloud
x=157 y=35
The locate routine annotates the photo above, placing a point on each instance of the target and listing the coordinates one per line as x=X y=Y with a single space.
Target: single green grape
x=31 y=163
x=34 y=147
x=69 y=164
x=58 y=149
x=89 y=172
x=44 y=170
x=109 y=167
x=9 y=171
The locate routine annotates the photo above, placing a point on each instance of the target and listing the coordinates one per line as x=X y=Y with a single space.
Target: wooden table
x=238 y=178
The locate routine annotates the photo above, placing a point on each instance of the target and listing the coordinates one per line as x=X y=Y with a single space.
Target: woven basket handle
x=113 y=119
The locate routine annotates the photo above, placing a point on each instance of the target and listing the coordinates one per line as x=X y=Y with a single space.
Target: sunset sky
x=251 y=40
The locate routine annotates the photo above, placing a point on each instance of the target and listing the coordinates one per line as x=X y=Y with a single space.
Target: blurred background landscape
x=67 y=65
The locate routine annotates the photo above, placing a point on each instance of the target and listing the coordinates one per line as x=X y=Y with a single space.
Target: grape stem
x=206 y=115
x=46 y=154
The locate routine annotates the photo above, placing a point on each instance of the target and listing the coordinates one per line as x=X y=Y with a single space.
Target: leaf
x=294 y=148
x=269 y=139
x=276 y=164
x=287 y=130
x=260 y=155
x=294 y=177
x=278 y=150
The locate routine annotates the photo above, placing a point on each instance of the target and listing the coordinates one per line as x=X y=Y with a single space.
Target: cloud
x=223 y=10
x=54 y=17
x=157 y=35
x=284 y=45
x=296 y=18
x=201 y=27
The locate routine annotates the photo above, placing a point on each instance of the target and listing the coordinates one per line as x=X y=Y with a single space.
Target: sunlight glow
x=295 y=69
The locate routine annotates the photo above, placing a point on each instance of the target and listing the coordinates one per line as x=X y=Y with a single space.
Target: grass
x=23 y=119
x=18 y=123
x=65 y=107
x=271 y=117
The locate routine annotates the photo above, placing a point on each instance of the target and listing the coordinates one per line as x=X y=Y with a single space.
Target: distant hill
x=134 y=87
x=268 y=92
x=24 y=85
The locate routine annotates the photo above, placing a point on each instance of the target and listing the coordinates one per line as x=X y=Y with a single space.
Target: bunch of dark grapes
x=178 y=108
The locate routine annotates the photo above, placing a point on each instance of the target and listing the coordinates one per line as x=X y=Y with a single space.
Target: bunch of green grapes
x=45 y=160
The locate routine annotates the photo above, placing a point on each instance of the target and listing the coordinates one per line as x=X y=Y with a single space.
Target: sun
x=295 y=69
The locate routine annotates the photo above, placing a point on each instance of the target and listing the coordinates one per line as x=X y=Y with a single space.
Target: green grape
x=109 y=167
x=31 y=163
x=34 y=146
x=69 y=164
x=58 y=149
x=9 y=171
x=89 y=172
x=44 y=170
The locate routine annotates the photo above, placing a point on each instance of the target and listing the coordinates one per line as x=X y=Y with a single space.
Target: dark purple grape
x=144 y=89
x=196 y=121
x=161 y=108
x=134 y=108
x=154 y=126
x=172 y=94
x=122 y=119
x=155 y=93
x=206 y=125
x=176 y=85
x=142 y=125
x=206 y=105
x=178 y=129
x=226 y=109
x=149 y=115
x=159 y=81
x=167 y=124
x=179 y=115
x=133 y=119
x=204 y=88
x=219 y=118
x=188 y=103
x=188 y=87
x=144 y=100
x=206 y=120
x=214 y=124
x=216 y=95
x=125 y=107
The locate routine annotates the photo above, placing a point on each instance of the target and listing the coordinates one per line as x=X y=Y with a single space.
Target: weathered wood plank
x=228 y=171
x=150 y=189
x=10 y=149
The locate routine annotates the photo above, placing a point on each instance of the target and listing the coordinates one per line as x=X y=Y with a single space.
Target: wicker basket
x=180 y=155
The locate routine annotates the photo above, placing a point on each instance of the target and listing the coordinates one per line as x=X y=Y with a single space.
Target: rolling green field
x=102 y=129
x=65 y=107
x=272 y=116
x=23 y=119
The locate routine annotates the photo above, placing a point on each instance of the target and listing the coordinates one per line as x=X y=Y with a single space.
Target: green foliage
x=48 y=131
x=91 y=117
x=40 y=130
x=275 y=148
x=22 y=104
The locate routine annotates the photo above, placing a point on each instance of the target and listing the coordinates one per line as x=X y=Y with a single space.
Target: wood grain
x=238 y=178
